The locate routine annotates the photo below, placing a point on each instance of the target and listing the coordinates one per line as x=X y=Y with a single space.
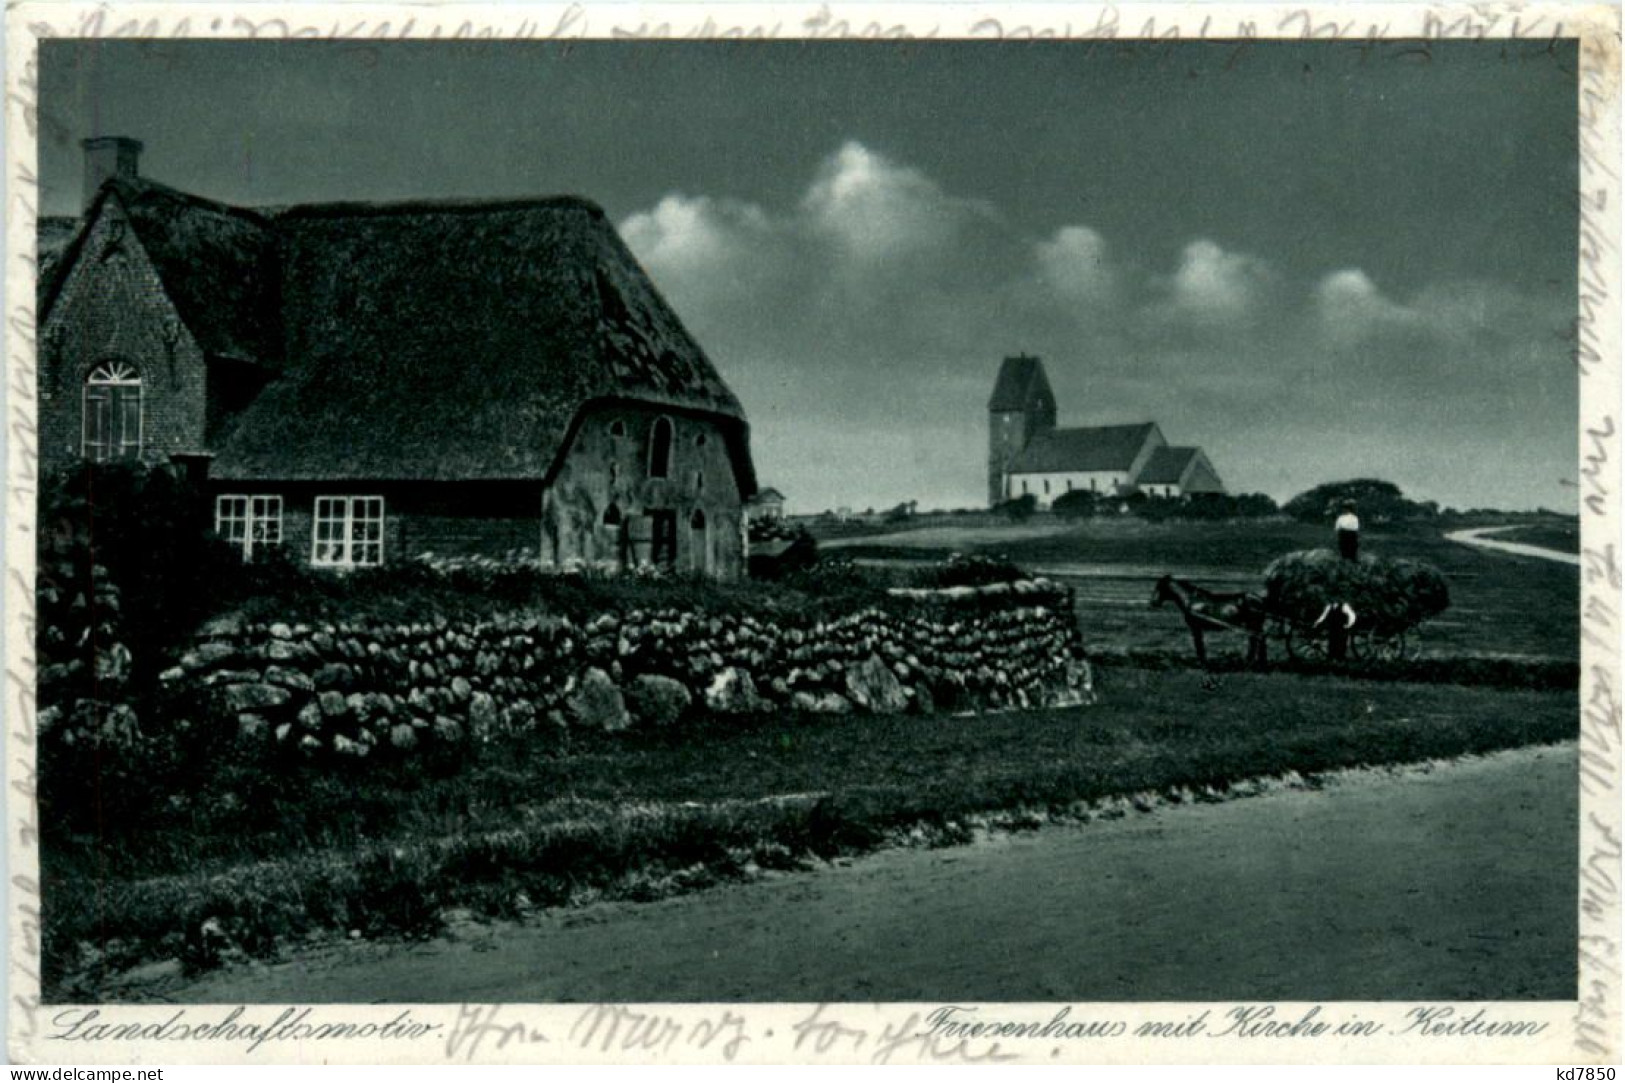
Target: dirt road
x=1481 y=538
x=1451 y=883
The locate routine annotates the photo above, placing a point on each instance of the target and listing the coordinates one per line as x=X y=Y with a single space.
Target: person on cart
x=1348 y=531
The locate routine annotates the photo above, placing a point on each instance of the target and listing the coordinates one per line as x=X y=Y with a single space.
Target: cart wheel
x=1397 y=648
x=1306 y=646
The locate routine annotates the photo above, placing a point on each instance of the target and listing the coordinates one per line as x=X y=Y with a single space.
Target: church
x=1028 y=455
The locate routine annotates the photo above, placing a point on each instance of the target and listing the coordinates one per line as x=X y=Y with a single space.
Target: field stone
x=206 y=654
x=334 y=704
x=289 y=678
x=253 y=697
x=252 y=727
x=346 y=747
x=482 y=712
x=873 y=686
x=657 y=701
x=732 y=691
x=460 y=688
x=338 y=675
x=310 y=716
x=447 y=730
x=597 y=703
x=281 y=650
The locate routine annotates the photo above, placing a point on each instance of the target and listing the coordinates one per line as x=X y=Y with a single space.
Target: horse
x=1207 y=610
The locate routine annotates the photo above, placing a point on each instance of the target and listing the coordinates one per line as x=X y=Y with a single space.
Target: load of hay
x=1385 y=594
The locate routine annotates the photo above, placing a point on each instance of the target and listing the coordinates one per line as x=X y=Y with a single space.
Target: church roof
x=1167 y=465
x=1101 y=447
x=1018 y=379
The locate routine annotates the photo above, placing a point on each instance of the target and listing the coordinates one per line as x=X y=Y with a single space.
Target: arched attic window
x=660 y=437
x=112 y=412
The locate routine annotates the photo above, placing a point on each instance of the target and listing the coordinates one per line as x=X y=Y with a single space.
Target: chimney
x=108 y=156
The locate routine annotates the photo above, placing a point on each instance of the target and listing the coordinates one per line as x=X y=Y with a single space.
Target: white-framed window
x=112 y=412
x=249 y=522
x=348 y=531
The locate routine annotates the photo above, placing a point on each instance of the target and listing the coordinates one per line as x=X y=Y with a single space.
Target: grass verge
x=263 y=861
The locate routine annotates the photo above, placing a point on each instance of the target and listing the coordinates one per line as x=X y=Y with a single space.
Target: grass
x=275 y=857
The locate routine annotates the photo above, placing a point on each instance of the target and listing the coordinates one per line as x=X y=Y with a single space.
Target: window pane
x=96 y=407
x=128 y=400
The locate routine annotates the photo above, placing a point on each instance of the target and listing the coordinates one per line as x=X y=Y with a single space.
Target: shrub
x=1020 y=509
x=973 y=570
x=1078 y=504
x=149 y=528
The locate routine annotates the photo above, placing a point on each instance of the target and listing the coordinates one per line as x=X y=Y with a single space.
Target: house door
x=663 y=537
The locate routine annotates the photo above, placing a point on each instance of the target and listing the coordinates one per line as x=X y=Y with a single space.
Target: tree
x=1377 y=501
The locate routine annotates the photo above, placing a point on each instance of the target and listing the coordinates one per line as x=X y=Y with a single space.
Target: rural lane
x=1479 y=537
x=1450 y=882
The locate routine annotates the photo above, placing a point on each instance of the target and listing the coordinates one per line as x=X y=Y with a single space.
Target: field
x=1501 y=606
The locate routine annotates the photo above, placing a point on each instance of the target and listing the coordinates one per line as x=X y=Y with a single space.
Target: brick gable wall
x=113 y=308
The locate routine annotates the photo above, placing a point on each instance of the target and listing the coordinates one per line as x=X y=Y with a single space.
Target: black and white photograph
x=956 y=523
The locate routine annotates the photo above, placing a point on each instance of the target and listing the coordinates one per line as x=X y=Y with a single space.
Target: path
x=1451 y=884
x=1479 y=537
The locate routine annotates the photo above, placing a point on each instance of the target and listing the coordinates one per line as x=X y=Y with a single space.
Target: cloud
x=1073 y=264
x=1214 y=288
x=707 y=252
x=1351 y=309
x=873 y=210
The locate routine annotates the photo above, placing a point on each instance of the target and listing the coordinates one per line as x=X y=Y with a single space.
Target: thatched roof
x=217 y=263
x=1102 y=447
x=55 y=234
x=420 y=341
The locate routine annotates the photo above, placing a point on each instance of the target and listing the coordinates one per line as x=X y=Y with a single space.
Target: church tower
x=1022 y=406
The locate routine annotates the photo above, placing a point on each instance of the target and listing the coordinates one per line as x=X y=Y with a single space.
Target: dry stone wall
x=374 y=689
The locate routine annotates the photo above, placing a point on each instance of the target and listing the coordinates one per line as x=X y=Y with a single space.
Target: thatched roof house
x=490 y=375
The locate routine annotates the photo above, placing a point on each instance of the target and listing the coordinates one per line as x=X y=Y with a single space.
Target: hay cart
x=1313 y=596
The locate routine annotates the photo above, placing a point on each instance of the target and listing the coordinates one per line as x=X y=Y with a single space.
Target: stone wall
x=363 y=689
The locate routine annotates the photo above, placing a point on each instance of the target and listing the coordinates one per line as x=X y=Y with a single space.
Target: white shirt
x=1348 y=521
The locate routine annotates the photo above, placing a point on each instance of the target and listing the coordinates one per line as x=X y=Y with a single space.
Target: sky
x=1315 y=260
